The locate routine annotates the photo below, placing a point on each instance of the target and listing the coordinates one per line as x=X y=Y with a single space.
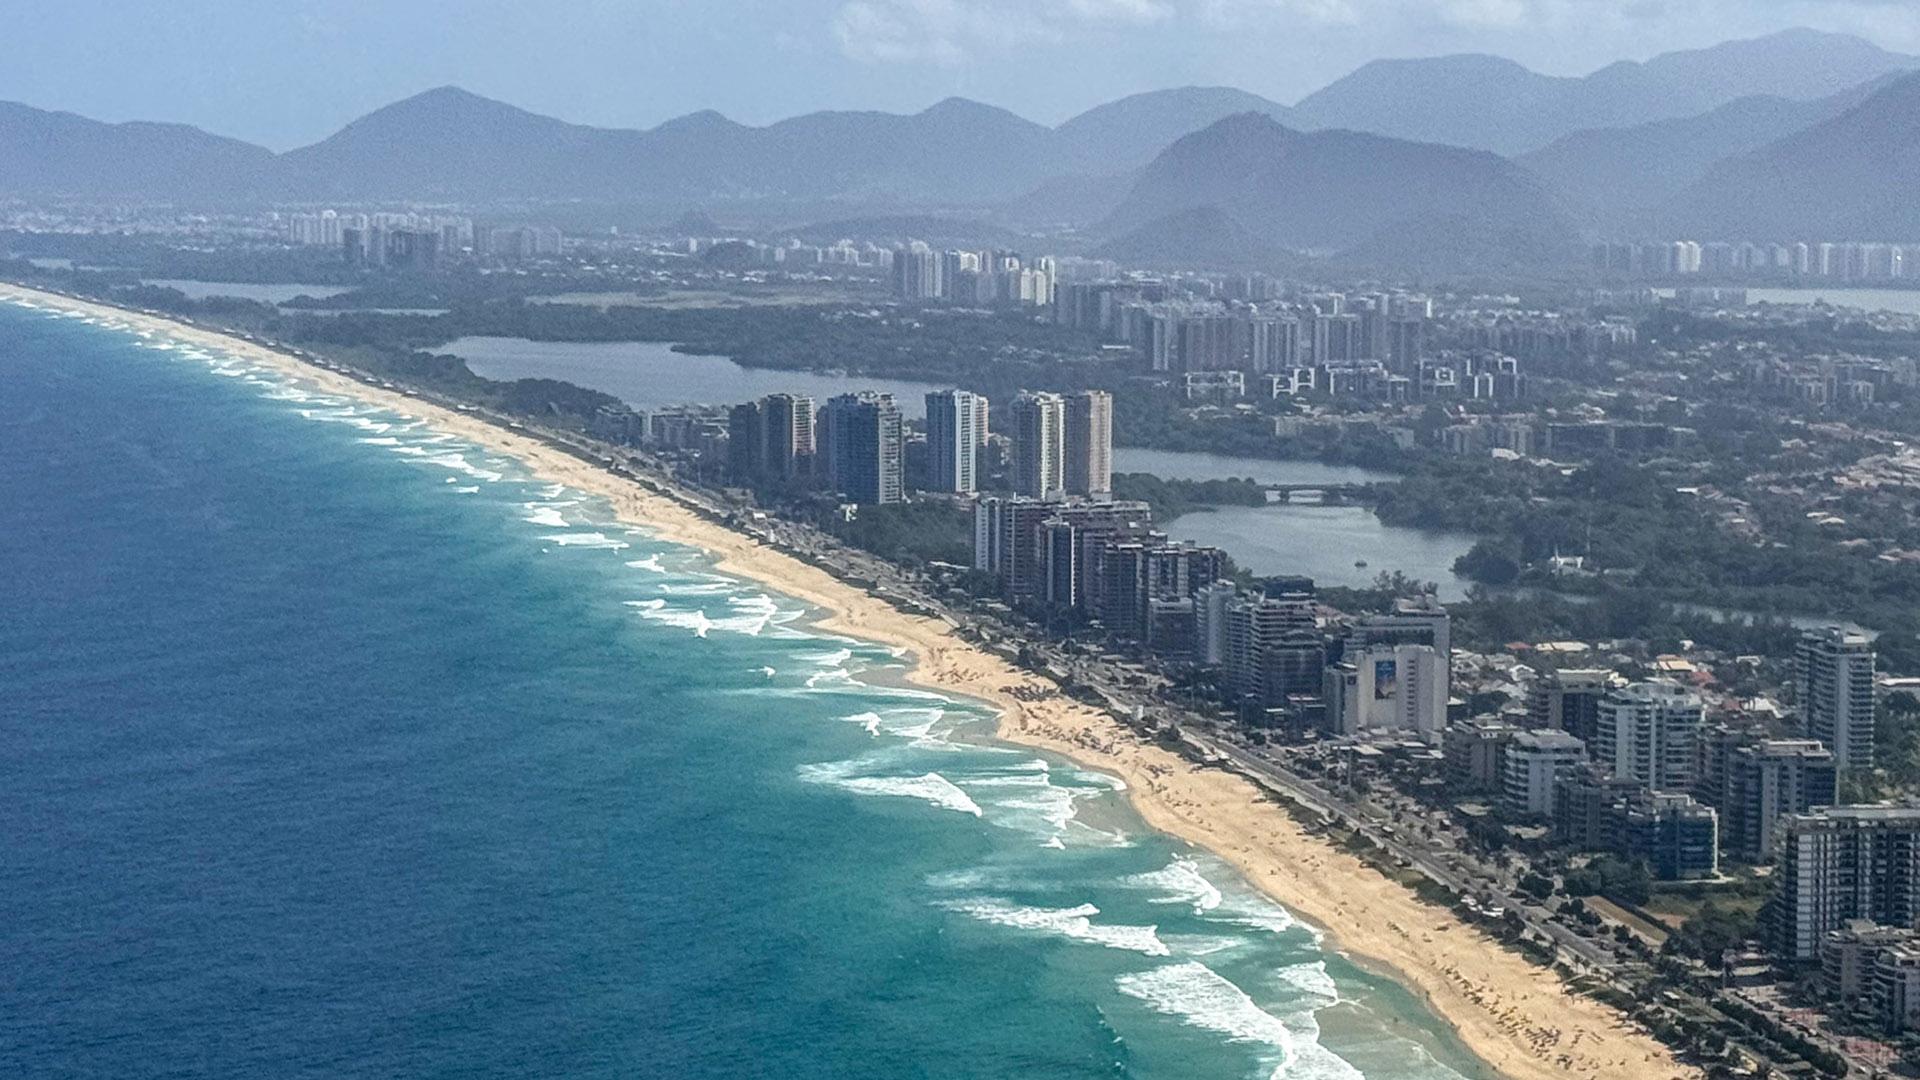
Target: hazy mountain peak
x=447 y=107
x=1496 y=104
x=1848 y=177
x=702 y=121
x=1127 y=133
x=1329 y=191
x=963 y=107
x=1622 y=170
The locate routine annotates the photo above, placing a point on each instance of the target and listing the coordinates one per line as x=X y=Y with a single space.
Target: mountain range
x=448 y=144
x=1796 y=133
x=1621 y=170
x=1850 y=177
x=1495 y=104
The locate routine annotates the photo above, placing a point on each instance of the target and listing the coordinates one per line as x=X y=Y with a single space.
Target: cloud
x=1493 y=14
x=949 y=33
x=1562 y=36
x=1131 y=12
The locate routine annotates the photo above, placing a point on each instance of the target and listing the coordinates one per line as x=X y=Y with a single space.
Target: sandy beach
x=1512 y=1014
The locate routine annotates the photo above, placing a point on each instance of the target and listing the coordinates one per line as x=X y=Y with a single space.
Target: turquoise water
x=336 y=746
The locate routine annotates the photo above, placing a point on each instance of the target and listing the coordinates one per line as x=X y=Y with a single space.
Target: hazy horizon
x=290 y=77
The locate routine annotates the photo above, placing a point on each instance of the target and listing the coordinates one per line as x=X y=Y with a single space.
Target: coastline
x=1513 y=1015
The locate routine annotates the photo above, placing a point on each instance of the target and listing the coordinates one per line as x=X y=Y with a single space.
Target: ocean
x=332 y=745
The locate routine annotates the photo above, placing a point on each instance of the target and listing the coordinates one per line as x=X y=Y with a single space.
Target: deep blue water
x=334 y=746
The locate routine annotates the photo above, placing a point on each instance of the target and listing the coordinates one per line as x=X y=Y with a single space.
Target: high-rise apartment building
x=918 y=273
x=1388 y=688
x=1255 y=625
x=1845 y=862
x=956 y=421
x=1569 y=700
x=1768 y=781
x=863 y=446
x=1834 y=668
x=1039 y=444
x=787 y=422
x=1015 y=539
x=746 y=442
x=1137 y=573
x=1678 y=837
x=1088 y=469
x=1413 y=621
x=1646 y=731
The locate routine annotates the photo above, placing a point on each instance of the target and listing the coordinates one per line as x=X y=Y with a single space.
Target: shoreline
x=1515 y=1017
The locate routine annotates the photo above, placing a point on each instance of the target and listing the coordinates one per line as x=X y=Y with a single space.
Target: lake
x=1187 y=465
x=1902 y=301
x=1322 y=542
x=649 y=374
x=265 y=294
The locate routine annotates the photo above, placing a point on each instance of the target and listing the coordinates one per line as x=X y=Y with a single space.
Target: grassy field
x=712 y=298
x=1653 y=932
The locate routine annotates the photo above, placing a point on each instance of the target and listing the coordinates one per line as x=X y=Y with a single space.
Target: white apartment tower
x=956 y=420
x=1531 y=767
x=1646 y=731
x=1039 y=446
x=1382 y=688
x=1089 y=444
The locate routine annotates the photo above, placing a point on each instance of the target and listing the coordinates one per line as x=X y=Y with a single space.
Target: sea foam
x=1075 y=923
x=1203 y=998
x=1180 y=882
x=930 y=787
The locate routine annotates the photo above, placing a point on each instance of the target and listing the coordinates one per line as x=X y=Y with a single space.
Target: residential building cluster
x=1825 y=260
x=861 y=446
x=1183 y=333
x=1240 y=339
x=794 y=253
x=414 y=241
x=854 y=444
x=1641 y=770
x=974 y=278
x=327 y=228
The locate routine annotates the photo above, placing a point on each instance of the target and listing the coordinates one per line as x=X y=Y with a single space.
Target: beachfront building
x=956 y=424
x=860 y=438
x=1147 y=588
x=1847 y=956
x=1678 y=837
x=1841 y=863
x=1476 y=753
x=1039 y=444
x=787 y=422
x=1041 y=548
x=1896 y=987
x=1257 y=625
x=746 y=429
x=1388 y=688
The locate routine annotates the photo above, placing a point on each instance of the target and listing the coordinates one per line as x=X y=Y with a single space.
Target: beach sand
x=1514 y=1015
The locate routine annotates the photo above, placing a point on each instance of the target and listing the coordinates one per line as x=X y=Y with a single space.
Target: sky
x=283 y=73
